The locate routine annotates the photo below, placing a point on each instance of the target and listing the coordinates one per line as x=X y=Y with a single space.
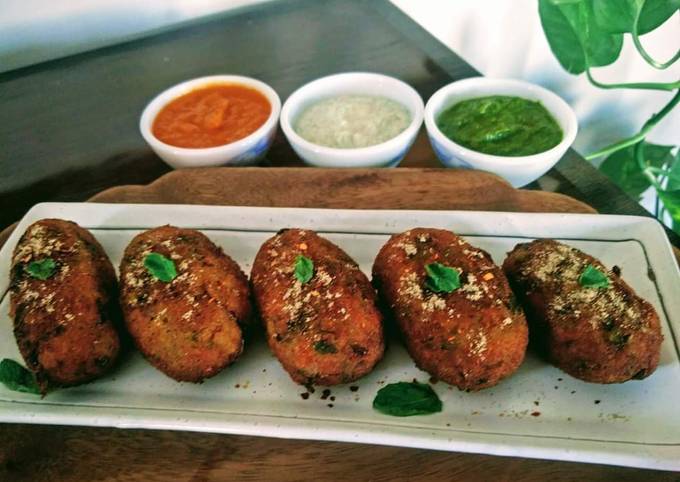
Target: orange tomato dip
x=211 y=116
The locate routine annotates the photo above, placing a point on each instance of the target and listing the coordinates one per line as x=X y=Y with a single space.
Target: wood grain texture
x=344 y=188
x=404 y=188
x=45 y=454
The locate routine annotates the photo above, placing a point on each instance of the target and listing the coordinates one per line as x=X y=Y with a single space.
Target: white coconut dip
x=351 y=121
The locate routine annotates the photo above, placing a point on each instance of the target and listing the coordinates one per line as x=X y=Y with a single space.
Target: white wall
x=33 y=31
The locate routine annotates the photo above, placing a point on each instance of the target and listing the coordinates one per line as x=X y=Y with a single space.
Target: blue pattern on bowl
x=447 y=157
x=394 y=162
x=255 y=153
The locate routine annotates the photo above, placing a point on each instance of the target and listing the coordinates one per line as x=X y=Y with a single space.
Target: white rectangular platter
x=539 y=412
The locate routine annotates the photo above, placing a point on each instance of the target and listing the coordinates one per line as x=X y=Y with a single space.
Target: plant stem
x=617 y=146
x=634 y=85
x=639 y=153
x=663 y=175
x=656 y=183
x=649 y=125
x=638 y=45
x=649 y=59
x=658 y=170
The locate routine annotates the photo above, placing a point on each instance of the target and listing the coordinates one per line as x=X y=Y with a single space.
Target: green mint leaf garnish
x=322 y=346
x=441 y=278
x=593 y=278
x=160 y=267
x=304 y=269
x=17 y=378
x=42 y=269
x=404 y=399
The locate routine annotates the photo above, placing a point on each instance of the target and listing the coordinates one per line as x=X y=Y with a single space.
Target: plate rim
x=657 y=456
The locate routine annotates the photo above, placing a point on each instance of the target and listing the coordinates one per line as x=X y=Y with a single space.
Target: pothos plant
x=589 y=33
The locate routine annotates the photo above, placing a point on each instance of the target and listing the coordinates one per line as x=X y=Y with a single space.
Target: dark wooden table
x=68 y=129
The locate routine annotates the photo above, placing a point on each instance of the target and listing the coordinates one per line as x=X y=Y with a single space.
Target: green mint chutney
x=501 y=125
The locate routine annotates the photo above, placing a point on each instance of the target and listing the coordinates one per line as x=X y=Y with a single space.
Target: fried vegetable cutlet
x=184 y=302
x=64 y=304
x=585 y=318
x=453 y=306
x=318 y=308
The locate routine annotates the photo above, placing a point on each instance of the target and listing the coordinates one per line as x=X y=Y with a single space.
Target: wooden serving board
x=404 y=188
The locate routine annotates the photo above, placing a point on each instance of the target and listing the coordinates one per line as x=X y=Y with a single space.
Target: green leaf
x=656 y=12
x=617 y=16
x=404 y=399
x=575 y=37
x=593 y=278
x=561 y=37
x=622 y=167
x=322 y=346
x=17 y=378
x=441 y=278
x=671 y=201
x=42 y=269
x=160 y=267
x=674 y=174
x=670 y=197
x=304 y=269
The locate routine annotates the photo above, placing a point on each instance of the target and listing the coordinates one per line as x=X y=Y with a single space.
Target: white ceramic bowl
x=386 y=154
x=244 y=151
x=519 y=171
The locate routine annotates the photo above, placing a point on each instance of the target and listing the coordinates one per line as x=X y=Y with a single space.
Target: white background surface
x=501 y=38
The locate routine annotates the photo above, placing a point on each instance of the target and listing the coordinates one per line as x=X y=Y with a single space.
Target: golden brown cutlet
x=602 y=335
x=471 y=337
x=188 y=327
x=325 y=331
x=66 y=324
